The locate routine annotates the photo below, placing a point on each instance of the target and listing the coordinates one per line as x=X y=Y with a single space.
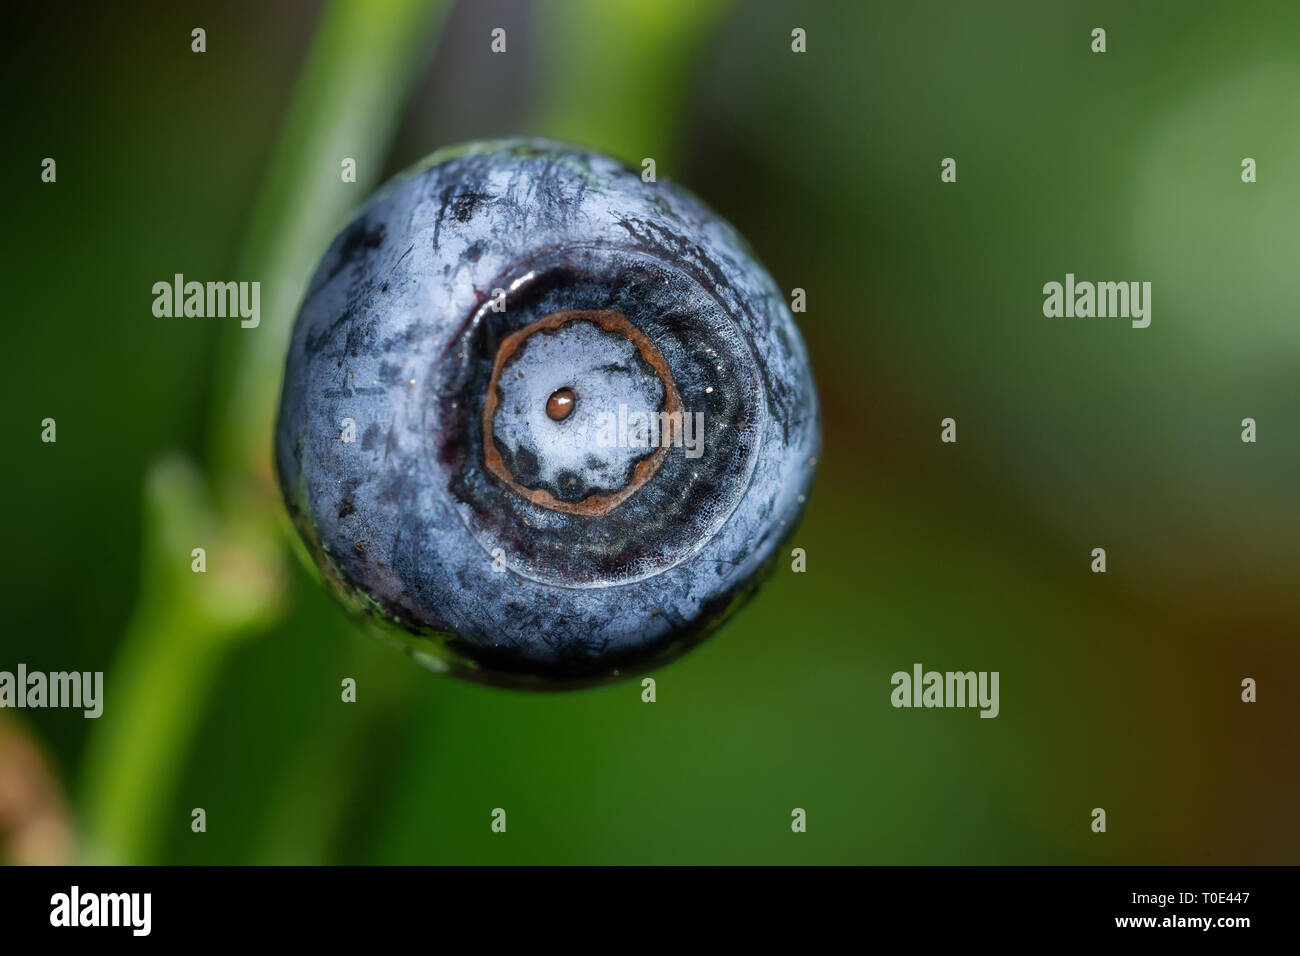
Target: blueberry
x=583 y=418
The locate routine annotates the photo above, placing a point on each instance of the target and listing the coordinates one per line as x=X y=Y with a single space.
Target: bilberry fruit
x=547 y=423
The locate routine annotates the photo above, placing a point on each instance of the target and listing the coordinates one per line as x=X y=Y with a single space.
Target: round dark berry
x=545 y=422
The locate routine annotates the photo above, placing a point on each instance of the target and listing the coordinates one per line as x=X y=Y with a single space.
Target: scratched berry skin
x=498 y=331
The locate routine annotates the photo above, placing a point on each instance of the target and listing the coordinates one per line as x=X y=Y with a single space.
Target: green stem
x=347 y=106
x=129 y=799
x=348 y=102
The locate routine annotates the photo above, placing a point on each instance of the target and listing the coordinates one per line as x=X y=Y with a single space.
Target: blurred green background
x=1119 y=691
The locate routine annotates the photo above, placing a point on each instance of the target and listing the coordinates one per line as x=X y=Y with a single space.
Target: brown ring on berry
x=611 y=320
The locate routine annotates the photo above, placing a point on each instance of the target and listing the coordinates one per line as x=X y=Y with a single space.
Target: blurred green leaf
x=621 y=73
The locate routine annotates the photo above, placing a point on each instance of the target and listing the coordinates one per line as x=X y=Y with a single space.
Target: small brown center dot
x=560 y=404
